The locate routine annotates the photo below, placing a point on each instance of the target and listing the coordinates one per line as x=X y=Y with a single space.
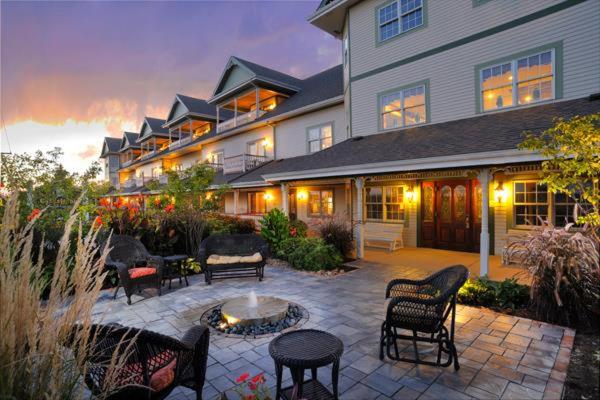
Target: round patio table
x=174 y=268
x=306 y=349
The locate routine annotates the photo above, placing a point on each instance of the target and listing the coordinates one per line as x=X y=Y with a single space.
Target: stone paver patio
x=501 y=356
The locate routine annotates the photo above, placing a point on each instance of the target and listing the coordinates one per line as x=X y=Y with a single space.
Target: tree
x=191 y=186
x=572 y=149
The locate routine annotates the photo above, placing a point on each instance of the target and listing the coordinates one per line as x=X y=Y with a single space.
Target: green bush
x=298 y=228
x=217 y=223
x=275 y=228
x=311 y=254
x=484 y=292
x=338 y=233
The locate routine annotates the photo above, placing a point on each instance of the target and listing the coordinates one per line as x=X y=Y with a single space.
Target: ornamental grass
x=565 y=274
x=41 y=355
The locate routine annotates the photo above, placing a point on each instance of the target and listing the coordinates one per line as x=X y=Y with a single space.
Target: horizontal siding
x=236 y=145
x=451 y=73
x=500 y=228
x=447 y=21
x=291 y=139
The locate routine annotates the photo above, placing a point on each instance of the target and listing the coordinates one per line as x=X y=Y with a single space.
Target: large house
x=415 y=134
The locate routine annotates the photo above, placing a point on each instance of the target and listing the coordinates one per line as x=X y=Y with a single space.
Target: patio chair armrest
x=264 y=251
x=406 y=286
x=123 y=271
x=197 y=339
x=195 y=336
x=156 y=260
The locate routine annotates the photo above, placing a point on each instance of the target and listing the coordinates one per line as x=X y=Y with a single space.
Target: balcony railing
x=242 y=163
x=148 y=154
x=129 y=183
x=180 y=142
x=239 y=120
x=216 y=166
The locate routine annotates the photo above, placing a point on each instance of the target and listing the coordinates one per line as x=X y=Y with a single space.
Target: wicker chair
x=233 y=245
x=156 y=365
x=423 y=306
x=136 y=267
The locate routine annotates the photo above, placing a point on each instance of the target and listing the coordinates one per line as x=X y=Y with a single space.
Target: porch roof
x=482 y=140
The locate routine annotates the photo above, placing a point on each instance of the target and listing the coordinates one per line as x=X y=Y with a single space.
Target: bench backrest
x=383 y=231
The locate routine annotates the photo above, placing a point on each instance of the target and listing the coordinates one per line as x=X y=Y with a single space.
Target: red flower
x=252 y=386
x=157 y=201
x=98 y=221
x=34 y=213
x=119 y=203
x=104 y=202
x=260 y=378
x=242 y=377
x=169 y=208
x=293 y=231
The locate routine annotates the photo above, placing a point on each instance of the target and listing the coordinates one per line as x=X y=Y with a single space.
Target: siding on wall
x=180 y=109
x=452 y=73
x=235 y=77
x=236 y=145
x=447 y=21
x=291 y=139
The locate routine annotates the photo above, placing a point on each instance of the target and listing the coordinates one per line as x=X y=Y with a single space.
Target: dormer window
x=248 y=106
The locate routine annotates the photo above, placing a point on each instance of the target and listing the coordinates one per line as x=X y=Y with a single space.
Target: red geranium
x=169 y=208
x=34 y=213
x=260 y=378
x=243 y=377
x=104 y=202
x=98 y=221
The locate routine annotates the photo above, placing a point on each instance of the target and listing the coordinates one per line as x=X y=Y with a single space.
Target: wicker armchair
x=233 y=245
x=423 y=306
x=136 y=267
x=156 y=365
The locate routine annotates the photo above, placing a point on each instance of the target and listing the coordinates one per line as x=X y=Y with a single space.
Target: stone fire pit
x=267 y=309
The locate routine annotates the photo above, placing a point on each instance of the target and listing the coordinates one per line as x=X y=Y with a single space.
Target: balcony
x=129 y=183
x=216 y=166
x=240 y=120
x=242 y=163
x=148 y=154
x=182 y=141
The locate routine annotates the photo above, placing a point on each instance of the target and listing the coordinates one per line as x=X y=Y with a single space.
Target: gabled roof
x=129 y=141
x=192 y=106
x=458 y=141
x=155 y=127
x=110 y=145
x=255 y=73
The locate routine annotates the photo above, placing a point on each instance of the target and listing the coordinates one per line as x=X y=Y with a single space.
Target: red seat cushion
x=159 y=380
x=163 y=377
x=141 y=271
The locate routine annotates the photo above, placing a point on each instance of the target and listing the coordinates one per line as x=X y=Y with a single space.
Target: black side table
x=174 y=268
x=306 y=349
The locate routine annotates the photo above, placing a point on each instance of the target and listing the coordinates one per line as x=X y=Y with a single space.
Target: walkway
x=501 y=356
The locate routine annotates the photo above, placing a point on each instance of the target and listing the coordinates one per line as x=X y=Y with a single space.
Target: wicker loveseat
x=136 y=267
x=423 y=306
x=233 y=256
x=156 y=365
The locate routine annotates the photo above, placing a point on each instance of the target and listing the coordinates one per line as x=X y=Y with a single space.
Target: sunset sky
x=74 y=72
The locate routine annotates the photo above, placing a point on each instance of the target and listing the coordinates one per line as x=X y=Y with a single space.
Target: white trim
x=459 y=160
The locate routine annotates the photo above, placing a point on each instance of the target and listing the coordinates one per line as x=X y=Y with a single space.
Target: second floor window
x=257 y=148
x=398 y=17
x=403 y=108
x=520 y=81
x=320 y=137
x=216 y=158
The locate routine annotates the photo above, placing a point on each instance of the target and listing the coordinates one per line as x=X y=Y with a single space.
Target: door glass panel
x=478 y=203
x=445 y=212
x=460 y=202
x=428 y=203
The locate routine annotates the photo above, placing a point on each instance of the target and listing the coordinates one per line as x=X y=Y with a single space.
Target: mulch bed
x=584 y=368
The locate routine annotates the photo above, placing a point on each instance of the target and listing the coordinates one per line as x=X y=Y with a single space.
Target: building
x=416 y=133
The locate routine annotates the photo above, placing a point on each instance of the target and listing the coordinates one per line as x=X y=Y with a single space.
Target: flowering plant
x=252 y=388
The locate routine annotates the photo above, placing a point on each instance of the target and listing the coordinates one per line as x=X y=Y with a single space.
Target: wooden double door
x=450 y=214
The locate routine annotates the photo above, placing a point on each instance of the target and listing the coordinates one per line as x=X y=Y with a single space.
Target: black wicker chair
x=423 y=306
x=233 y=245
x=179 y=363
x=127 y=256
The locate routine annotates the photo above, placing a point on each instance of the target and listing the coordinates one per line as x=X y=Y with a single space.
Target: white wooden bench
x=391 y=234
x=512 y=236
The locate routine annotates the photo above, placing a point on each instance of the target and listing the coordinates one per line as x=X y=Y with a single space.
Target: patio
x=501 y=356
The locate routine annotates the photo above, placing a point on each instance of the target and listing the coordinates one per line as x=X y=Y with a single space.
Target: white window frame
x=398 y=19
x=402 y=108
x=321 y=213
x=383 y=203
x=321 y=138
x=549 y=206
x=218 y=155
x=515 y=81
x=260 y=144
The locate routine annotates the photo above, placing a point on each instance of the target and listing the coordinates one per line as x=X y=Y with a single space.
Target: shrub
x=484 y=292
x=275 y=228
x=311 y=254
x=298 y=228
x=218 y=223
x=34 y=364
x=511 y=294
x=477 y=292
x=338 y=233
x=565 y=273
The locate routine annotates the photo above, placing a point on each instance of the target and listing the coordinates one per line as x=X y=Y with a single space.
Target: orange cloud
x=89 y=152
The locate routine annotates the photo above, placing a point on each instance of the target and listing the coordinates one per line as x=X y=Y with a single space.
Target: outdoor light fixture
x=410 y=195
x=302 y=195
x=266 y=143
x=268 y=196
x=500 y=193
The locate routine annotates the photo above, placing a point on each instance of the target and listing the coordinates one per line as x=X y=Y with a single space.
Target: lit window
x=403 y=108
x=257 y=203
x=530 y=203
x=257 y=148
x=564 y=208
x=320 y=203
x=320 y=137
x=399 y=17
x=520 y=81
x=385 y=203
x=216 y=158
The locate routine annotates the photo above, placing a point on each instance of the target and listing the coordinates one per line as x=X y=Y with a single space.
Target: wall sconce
x=500 y=193
x=208 y=196
x=301 y=195
x=266 y=143
x=268 y=196
x=410 y=195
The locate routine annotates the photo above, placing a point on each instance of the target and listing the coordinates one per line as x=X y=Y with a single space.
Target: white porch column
x=236 y=198
x=360 y=243
x=284 y=199
x=484 y=241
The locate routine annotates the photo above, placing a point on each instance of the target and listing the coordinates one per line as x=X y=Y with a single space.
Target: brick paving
x=502 y=357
